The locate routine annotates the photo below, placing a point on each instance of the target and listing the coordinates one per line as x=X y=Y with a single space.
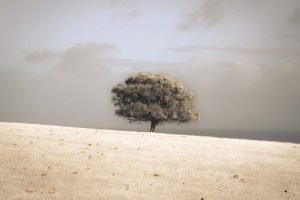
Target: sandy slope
x=51 y=162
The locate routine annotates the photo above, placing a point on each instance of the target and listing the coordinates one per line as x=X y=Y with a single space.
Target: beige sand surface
x=52 y=162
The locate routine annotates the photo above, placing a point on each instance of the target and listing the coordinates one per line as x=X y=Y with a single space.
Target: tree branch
x=135 y=120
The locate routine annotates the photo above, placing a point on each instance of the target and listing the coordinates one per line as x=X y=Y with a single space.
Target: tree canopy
x=153 y=97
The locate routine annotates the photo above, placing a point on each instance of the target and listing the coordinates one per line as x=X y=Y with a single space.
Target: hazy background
x=59 y=60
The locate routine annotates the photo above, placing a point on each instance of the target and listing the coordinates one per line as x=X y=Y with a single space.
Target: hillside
x=52 y=162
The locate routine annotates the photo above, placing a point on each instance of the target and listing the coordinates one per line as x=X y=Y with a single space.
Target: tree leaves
x=153 y=97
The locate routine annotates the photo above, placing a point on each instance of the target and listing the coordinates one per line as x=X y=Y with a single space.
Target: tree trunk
x=153 y=126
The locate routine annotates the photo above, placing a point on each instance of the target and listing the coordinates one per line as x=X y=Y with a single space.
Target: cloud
x=209 y=13
x=85 y=57
x=212 y=75
x=42 y=55
x=128 y=9
x=236 y=15
x=243 y=95
x=239 y=50
x=95 y=58
x=294 y=18
x=231 y=80
x=90 y=49
x=56 y=98
x=288 y=32
x=82 y=57
x=230 y=94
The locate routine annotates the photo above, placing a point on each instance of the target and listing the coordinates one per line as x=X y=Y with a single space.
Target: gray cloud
x=56 y=98
x=288 y=34
x=243 y=95
x=294 y=19
x=82 y=57
x=230 y=94
x=90 y=49
x=85 y=57
x=254 y=16
x=209 y=13
x=286 y=53
x=42 y=55
x=75 y=92
x=129 y=8
x=90 y=58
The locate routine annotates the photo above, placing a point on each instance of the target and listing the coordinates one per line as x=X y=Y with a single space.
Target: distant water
x=280 y=136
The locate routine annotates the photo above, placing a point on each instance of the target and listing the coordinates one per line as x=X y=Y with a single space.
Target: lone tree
x=153 y=97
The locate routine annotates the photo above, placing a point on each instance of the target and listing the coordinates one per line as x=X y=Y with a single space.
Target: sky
x=59 y=60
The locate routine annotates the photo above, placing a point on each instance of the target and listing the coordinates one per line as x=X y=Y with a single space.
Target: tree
x=153 y=97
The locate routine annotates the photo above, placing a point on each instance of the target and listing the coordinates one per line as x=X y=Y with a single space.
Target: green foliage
x=153 y=97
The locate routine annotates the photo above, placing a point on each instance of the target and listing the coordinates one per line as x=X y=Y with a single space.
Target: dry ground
x=52 y=162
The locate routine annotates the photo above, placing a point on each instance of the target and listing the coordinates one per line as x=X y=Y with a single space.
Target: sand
x=52 y=162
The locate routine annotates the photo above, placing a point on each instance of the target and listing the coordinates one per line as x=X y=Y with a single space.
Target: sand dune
x=52 y=162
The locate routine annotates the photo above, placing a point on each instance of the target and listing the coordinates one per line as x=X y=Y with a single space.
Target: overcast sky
x=59 y=59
